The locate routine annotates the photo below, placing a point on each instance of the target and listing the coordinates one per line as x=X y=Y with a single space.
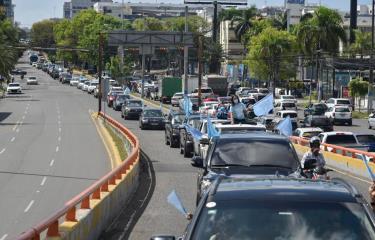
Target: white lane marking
x=13 y=138
x=59 y=129
x=29 y=206
x=57 y=148
x=17 y=130
x=59 y=139
x=52 y=162
x=25 y=112
x=14 y=128
x=43 y=181
x=23 y=117
x=350 y=175
x=59 y=122
x=4 y=237
x=2 y=151
x=37 y=191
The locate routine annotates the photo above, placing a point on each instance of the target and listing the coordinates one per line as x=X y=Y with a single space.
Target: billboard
x=220 y=2
x=302 y=2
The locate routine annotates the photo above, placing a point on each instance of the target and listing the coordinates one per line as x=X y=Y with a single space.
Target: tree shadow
x=4 y=115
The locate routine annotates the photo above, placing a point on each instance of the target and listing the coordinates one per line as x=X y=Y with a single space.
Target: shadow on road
x=123 y=224
x=4 y=115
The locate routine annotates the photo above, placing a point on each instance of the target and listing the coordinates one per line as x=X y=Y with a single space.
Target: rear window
x=288 y=97
x=310 y=134
x=345 y=102
x=153 y=113
x=341 y=139
x=366 y=138
x=291 y=115
x=290 y=105
x=342 y=110
x=14 y=84
x=32 y=78
x=135 y=104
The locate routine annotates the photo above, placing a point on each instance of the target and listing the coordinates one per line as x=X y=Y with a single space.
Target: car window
x=245 y=219
x=310 y=134
x=343 y=101
x=330 y=109
x=341 y=139
x=343 y=110
x=14 y=85
x=291 y=115
x=290 y=105
x=153 y=113
x=330 y=101
x=366 y=138
x=135 y=104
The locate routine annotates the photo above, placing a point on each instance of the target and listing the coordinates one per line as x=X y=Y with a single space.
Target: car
x=119 y=100
x=176 y=98
x=315 y=109
x=285 y=105
x=174 y=121
x=241 y=90
x=307 y=132
x=343 y=139
x=207 y=106
x=205 y=92
x=266 y=121
x=320 y=121
x=186 y=139
x=65 y=78
x=194 y=101
x=339 y=114
x=92 y=86
x=248 y=101
x=81 y=83
x=74 y=81
x=278 y=208
x=288 y=98
x=284 y=114
x=263 y=90
x=111 y=96
x=32 y=81
x=338 y=102
x=253 y=153
x=366 y=139
x=18 y=71
x=371 y=121
x=39 y=65
x=34 y=64
x=86 y=85
x=131 y=108
x=152 y=118
x=224 y=100
x=14 y=88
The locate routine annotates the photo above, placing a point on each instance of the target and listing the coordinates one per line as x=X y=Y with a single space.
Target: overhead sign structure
x=302 y=2
x=220 y=2
x=151 y=38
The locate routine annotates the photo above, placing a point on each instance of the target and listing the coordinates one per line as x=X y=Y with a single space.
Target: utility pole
x=214 y=23
x=186 y=52
x=371 y=80
x=200 y=66
x=143 y=70
x=317 y=76
x=100 y=69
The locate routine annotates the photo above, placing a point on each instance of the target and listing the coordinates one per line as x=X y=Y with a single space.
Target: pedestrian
x=237 y=110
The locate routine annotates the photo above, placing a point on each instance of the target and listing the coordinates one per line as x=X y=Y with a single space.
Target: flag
x=175 y=201
x=264 y=106
x=188 y=105
x=285 y=127
x=211 y=130
x=127 y=91
x=161 y=106
x=368 y=168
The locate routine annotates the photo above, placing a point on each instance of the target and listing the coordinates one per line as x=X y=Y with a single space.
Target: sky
x=29 y=11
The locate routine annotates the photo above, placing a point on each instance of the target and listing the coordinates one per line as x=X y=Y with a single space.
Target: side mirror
x=204 y=141
x=197 y=161
x=309 y=164
x=163 y=237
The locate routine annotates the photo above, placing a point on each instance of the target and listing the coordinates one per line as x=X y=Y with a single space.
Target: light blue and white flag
x=264 y=106
x=161 y=106
x=285 y=127
x=188 y=106
x=175 y=201
x=211 y=130
x=127 y=91
x=368 y=168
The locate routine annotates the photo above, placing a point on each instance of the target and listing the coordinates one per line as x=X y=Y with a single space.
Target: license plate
x=154 y=124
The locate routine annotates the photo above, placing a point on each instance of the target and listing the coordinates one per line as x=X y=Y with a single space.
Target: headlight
x=145 y=120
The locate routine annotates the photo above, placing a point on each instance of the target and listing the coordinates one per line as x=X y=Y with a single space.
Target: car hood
x=154 y=118
x=14 y=87
x=249 y=171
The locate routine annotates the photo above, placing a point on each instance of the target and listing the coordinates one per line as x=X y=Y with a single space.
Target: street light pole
x=371 y=80
x=100 y=69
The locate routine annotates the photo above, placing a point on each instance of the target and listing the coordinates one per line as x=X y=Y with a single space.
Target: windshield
x=14 y=84
x=153 y=113
x=344 y=102
x=366 y=138
x=341 y=139
x=135 y=104
x=122 y=97
x=289 y=105
x=263 y=91
x=287 y=97
x=246 y=219
x=291 y=115
x=203 y=90
x=178 y=119
x=254 y=152
x=342 y=110
x=311 y=134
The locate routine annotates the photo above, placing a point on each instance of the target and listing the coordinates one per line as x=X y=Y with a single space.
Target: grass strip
x=359 y=115
x=119 y=143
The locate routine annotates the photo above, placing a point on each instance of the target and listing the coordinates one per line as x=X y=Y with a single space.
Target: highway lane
x=52 y=152
x=173 y=171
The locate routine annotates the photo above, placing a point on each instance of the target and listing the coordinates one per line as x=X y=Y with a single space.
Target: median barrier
x=88 y=214
x=341 y=158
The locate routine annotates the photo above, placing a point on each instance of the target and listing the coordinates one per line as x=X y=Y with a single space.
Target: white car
x=285 y=105
x=248 y=100
x=32 y=81
x=288 y=98
x=371 y=120
x=242 y=89
x=284 y=114
x=206 y=106
x=14 y=88
x=205 y=92
x=339 y=114
x=74 y=81
x=307 y=132
x=35 y=64
x=85 y=86
x=91 y=87
x=338 y=102
x=176 y=98
x=116 y=88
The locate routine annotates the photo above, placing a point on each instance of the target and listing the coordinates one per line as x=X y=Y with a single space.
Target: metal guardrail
x=82 y=200
x=348 y=152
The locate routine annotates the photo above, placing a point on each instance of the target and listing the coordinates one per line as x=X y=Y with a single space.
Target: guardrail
x=51 y=226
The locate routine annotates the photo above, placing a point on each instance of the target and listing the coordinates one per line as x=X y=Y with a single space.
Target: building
x=8 y=9
x=73 y=7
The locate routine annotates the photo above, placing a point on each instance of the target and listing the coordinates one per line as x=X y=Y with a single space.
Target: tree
x=362 y=44
x=358 y=88
x=42 y=34
x=270 y=54
x=243 y=23
x=280 y=21
x=8 y=54
x=148 y=24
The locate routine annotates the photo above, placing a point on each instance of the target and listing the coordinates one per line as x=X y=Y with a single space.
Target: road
x=173 y=171
x=49 y=151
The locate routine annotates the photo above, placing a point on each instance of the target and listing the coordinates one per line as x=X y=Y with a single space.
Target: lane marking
x=29 y=206
x=52 y=162
x=23 y=117
x=43 y=181
x=2 y=151
x=57 y=148
x=350 y=175
x=25 y=111
x=59 y=129
x=59 y=122
x=14 y=128
x=59 y=139
x=17 y=130
x=13 y=138
x=37 y=191
x=4 y=236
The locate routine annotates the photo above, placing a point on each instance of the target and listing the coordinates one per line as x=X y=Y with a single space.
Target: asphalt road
x=49 y=151
x=173 y=171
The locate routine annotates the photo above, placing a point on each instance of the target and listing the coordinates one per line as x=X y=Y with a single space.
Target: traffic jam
x=251 y=182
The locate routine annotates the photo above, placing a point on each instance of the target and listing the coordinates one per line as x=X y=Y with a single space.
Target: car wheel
x=181 y=149
x=141 y=126
x=369 y=126
x=122 y=115
x=166 y=140
x=186 y=153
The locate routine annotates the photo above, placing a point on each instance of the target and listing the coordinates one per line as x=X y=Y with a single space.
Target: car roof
x=338 y=133
x=254 y=135
x=309 y=129
x=152 y=109
x=282 y=189
x=287 y=111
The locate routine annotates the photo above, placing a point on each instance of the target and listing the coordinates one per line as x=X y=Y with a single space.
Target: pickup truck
x=343 y=139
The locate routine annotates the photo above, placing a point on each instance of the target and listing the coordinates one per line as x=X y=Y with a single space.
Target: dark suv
x=280 y=208
x=186 y=139
x=131 y=108
x=246 y=154
x=320 y=121
x=172 y=128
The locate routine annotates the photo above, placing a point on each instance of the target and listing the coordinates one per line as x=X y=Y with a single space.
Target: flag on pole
x=368 y=168
x=175 y=201
x=188 y=105
x=211 y=130
x=264 y=106
x=285 y=127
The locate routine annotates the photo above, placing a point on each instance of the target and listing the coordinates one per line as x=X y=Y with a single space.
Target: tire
x=350 y=123
x=186 y=153
x=369 y=126
x=166 y=140
x=141 y=127
x=122 y=115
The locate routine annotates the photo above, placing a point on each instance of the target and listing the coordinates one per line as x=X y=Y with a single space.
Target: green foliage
x=8 y=54
x=244 y=23
x=358 y=87
x=280 y=21
x=362 y=44
x=148 y=24
x=117 y=71
x=42 y=34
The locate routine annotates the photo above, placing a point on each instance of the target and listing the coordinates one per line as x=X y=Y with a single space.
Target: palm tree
x=280 y=21
x=362 y=43
x=243 y=23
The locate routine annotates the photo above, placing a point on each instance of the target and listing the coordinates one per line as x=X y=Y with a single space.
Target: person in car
x=314 y=153
x=237 y=111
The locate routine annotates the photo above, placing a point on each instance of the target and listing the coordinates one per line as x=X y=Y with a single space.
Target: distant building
x=8 y=9
x=73 y=7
